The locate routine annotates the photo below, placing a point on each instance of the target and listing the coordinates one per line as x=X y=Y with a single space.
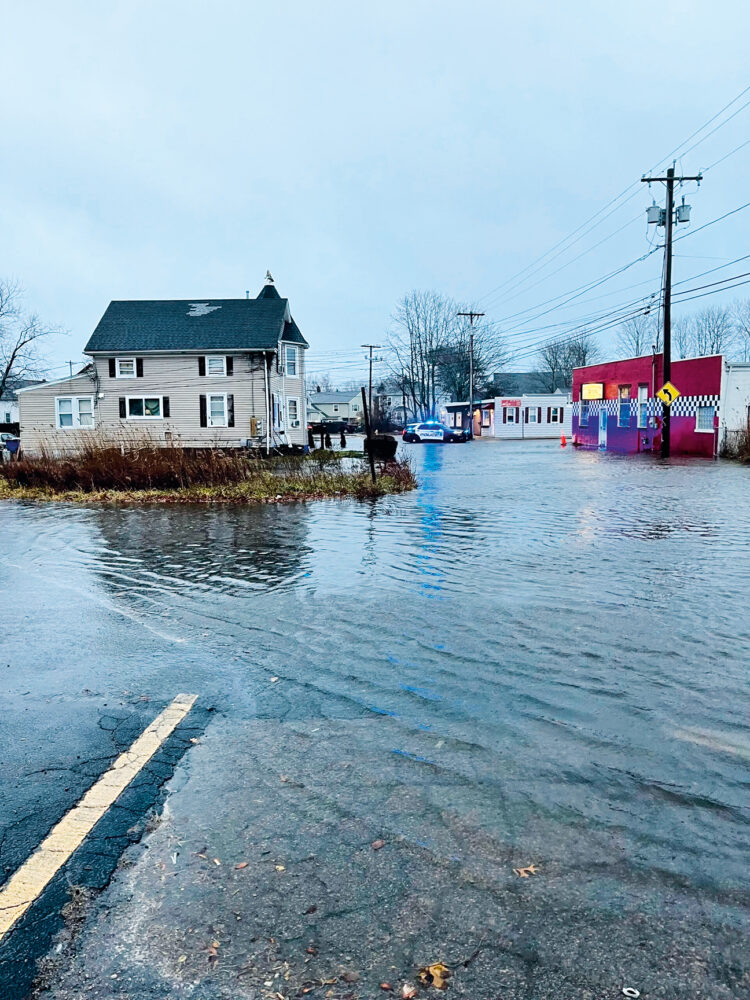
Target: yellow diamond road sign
x=668 y=393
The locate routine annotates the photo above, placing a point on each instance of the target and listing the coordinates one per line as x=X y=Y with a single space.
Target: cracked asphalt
x=399 y=704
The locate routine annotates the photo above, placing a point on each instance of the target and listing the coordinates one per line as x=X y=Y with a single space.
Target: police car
x=433 y=430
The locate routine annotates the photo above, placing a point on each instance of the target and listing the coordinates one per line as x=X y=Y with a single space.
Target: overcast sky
x=179 y=149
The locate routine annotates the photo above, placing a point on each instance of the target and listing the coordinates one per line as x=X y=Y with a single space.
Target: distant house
x=9 y=399
x=330 y=407
x=198 y=373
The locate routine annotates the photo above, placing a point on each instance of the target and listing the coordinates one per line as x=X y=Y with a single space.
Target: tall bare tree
x=683 y=337
x=638 y=336
x=741 y=317
x=20 y=333
x=714 y=331
x=429 y=350
x=558 y=357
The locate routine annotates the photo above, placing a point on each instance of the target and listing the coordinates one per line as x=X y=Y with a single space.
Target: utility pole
x=371 y=348
x=472 y=316
x=666 y=217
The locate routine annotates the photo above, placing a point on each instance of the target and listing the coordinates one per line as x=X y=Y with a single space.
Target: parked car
x=433 y=430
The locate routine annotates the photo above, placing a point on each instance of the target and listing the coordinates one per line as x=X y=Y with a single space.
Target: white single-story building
x=735 y=402
x=531 y=415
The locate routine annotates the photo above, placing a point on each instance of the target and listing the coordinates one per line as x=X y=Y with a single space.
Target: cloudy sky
x=179 y=149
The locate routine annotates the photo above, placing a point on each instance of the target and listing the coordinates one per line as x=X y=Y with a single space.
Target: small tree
x=20 y=333
x=559 y=357
x=683 y=337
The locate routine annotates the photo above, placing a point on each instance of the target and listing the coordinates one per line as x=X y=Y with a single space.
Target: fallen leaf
x=216 y=861
x=241 y=865
x=311 y=950
x=274 y=680
x=215 y=944
x=194 y=740
x=525 y=872
x=408 y=992
x=386 y=987
x=311 y=909
x=280 y=868
x=435 y=975
x=377 y=844
x=199 y=855
x=181 y=959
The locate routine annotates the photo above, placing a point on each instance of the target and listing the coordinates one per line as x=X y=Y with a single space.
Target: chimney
x=247 y=293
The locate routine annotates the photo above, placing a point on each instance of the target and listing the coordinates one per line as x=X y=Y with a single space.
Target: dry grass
x=737 y=446
x=138 y=472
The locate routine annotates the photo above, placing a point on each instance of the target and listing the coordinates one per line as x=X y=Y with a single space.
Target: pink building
x=615 y=405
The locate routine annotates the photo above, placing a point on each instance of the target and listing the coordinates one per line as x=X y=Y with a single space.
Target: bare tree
x=714 y=330
x=420 y=327
x=559 y=357
x=683 y=337
x=490 y=355
x=741 y=317
x=20 y=333
x=638 y=336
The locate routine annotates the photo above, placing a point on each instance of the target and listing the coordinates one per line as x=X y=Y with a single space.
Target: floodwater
x=541 y=654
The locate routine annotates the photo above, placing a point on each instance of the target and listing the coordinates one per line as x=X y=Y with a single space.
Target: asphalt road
x=363 y=680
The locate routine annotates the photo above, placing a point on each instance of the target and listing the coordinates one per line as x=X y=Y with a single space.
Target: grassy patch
x=102 y=473
x=737 y=446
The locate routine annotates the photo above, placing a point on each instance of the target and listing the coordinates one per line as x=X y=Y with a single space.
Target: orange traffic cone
x=563 y=441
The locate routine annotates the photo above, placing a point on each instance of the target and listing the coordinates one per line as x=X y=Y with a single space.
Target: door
x=603 y=427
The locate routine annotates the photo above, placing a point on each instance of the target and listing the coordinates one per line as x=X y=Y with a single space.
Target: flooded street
x=537 y=658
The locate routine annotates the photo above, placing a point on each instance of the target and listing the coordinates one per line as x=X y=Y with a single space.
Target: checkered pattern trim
x=684 y=406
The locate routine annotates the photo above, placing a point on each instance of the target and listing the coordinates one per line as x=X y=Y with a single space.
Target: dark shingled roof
x=194 y=325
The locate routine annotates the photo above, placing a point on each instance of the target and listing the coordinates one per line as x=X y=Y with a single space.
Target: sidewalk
x=261 y=881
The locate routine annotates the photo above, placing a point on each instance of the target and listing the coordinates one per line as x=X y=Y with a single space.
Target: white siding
x=541 y=428
x=735 y=401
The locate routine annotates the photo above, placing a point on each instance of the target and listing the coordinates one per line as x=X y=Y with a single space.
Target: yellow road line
x=20 y=891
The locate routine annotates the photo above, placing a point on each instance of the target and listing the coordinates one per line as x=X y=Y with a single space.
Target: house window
x=144 y=407
x=125 y=367
x=292 y=410
x=511 y=411
x=355 y=407
x=643 y=406
x=554 y=414
x=485 y=418
x=583 y=420
x=7 y=417
x=335 y=408
x=704 y=418
x=290 y=360
x=74 y=411
x=217 y=410
x=531 y=414
x=216 y=365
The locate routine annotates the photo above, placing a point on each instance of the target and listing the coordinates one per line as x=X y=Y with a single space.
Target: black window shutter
x=539 y=415
x=165 y=406
x=139 y=367
x=202 y=371
x=505 y=414
x=549 y=414
x=230 y=410
x=562 y=410
x=122 y=407
x=527 y=414
x=112 y=372
x=204 y=420
x=230 y=366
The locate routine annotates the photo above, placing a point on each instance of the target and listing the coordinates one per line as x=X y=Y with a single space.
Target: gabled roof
x=12 y=386
x=332 y=397
x=194 y=325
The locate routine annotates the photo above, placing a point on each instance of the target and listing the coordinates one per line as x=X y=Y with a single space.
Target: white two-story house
x=195 y=373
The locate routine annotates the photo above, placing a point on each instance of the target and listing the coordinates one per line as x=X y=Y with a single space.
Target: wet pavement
x=539 y=658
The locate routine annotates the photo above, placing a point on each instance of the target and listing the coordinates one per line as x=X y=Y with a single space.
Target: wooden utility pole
x=368 y=436
x=371 y=347
x=472 y=316
x=668 y=217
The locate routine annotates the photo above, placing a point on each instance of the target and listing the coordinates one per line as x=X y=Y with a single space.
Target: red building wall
x=699 y=383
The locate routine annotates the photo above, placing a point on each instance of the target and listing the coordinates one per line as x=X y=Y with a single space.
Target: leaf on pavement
x=241 y=865
x=434 y=975
x=377 y=844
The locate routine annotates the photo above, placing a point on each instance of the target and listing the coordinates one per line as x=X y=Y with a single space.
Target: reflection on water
x=563 y=636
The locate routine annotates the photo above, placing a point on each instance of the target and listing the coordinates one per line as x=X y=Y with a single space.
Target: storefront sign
x=592 y=390
x=510 y=402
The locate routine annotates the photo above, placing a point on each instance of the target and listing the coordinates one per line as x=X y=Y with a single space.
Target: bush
x=737 y=446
